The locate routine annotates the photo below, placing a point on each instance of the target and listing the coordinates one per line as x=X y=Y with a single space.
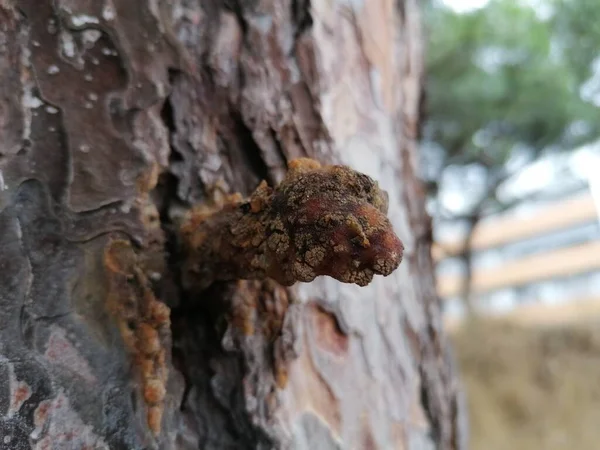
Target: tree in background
x=575 y=24
x=503 y=89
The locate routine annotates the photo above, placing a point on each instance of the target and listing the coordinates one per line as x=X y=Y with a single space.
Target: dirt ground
x=530 y=386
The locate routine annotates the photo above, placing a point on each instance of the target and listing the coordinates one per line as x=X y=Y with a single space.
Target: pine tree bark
x=116 y=117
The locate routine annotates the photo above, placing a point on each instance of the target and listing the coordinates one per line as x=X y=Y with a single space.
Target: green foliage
x=577 y=26
x=502 y=80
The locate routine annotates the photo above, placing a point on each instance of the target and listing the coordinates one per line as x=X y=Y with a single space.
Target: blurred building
x=545 y=251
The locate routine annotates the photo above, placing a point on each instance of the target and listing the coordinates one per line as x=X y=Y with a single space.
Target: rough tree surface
x=118 y=116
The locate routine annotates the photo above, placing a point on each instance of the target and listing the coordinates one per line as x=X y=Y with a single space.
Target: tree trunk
x=467 y=259
x=115 y=118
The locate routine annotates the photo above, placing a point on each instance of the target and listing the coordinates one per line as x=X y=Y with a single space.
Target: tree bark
x=118 y=116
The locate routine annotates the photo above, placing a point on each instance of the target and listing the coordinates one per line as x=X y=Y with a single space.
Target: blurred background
x=511 y=158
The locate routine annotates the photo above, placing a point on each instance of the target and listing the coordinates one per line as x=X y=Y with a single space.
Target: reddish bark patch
x=329 y=335
x=62 y=352
x=62 y=427
x=19 y=393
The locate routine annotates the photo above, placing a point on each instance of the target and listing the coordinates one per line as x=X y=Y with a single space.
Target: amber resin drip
x=321 y=220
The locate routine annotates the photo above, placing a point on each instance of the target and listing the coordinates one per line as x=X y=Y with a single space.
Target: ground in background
x=531 y=387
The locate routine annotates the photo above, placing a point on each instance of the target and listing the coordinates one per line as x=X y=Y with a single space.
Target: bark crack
x=212 y=397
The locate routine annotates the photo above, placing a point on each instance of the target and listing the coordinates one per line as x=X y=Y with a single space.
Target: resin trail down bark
x=321 y=220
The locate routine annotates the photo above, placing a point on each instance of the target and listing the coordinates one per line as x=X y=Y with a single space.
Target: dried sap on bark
x=144 y=323
x=321 y=220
